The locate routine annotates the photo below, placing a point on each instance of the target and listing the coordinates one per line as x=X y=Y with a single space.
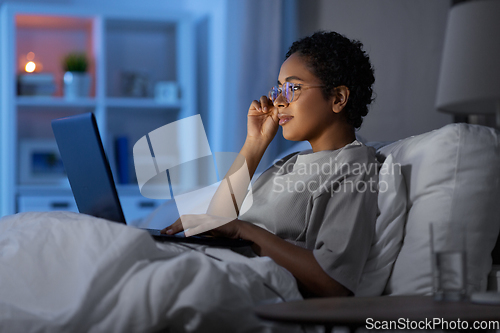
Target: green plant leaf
x=75 y=62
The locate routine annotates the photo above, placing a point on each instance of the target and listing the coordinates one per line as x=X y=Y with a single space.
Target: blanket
x=69 y=272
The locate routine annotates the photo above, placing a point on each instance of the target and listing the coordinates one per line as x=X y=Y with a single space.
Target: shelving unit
x=157 y=46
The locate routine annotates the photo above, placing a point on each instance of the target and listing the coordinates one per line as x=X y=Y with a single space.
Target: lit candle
x=30 y=67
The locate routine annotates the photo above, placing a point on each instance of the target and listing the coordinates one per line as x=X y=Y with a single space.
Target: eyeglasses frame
x=293 y=99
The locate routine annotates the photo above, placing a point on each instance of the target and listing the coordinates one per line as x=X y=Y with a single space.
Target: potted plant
x=76 y=78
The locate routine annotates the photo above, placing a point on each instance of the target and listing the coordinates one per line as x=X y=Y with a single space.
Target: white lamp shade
x=469 y=81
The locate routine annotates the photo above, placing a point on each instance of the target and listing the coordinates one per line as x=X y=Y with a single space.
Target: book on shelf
x=36 y=84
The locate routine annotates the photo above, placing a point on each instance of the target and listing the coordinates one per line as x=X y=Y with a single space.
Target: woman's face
x=310 y=116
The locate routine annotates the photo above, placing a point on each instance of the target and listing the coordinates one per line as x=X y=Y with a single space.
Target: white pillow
x=452 y=175
x=388 y=230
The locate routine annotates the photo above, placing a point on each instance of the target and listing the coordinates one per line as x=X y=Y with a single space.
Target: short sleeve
x=342 y=225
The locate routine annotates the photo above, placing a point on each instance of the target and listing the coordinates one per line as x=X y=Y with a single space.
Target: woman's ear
x=340 y=98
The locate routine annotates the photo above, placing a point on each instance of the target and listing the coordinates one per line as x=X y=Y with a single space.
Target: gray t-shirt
x=324 y=201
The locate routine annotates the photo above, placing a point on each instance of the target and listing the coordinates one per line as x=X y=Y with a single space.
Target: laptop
x=92 y=183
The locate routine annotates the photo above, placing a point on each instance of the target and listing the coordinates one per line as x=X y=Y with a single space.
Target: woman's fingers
x=195 y=224
x=264 y=103
x=173 y=228
x=185 y=222
x=262 y=120
x=255 y=105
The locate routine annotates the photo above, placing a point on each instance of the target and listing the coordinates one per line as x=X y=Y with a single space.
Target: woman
x=313 y=212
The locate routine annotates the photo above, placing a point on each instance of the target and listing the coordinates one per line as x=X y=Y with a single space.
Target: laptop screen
x=87 y=167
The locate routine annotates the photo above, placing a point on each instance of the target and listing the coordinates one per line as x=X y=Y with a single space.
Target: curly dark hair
x=336 y=60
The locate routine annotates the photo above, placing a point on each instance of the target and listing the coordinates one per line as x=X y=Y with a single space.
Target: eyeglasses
x=289 y=90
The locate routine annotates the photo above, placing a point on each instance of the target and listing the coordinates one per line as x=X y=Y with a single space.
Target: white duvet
x=68 y=272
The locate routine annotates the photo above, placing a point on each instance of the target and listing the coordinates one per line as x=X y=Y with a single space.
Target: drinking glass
x=448 y=253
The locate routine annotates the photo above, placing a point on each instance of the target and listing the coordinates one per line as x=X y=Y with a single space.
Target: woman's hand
x=205 y=224
x=174 y=228
x=229 y=230
x=263 y=120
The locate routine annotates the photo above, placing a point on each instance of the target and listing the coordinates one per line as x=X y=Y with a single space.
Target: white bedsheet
x=67 y=272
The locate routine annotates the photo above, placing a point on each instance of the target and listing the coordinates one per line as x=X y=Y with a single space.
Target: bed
x=69 y=272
